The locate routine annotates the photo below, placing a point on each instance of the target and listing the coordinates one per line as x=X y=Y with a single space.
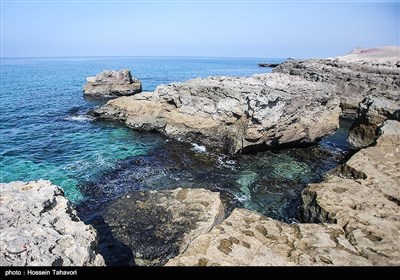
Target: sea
x=47 y=133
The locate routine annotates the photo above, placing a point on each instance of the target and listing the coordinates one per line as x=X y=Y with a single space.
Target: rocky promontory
x=112 y=84
x=38 y=227
x=233 y=113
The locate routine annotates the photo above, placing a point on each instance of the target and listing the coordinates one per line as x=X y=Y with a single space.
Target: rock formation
x=362 y=73
x=363 y=197
x=357 y=206
x=246 y=238
x=38 y=227
x=372 y=112
x=112 y=84
x=272 y=65
x=158 y=225
x=233 y=114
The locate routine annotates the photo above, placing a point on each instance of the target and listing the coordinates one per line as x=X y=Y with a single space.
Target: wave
x=80 y=118
x=198 y=148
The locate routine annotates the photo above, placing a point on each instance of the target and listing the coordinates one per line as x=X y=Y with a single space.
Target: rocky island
x=109 y=84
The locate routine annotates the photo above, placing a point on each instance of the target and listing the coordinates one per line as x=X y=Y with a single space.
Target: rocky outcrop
x=158 y=225
x=360 y=74
x=233 y=114
x=112 y=84
x=363 y=197
x=357 y=209
x=372 y=112
x=246 y=238
x=272 y=65
x=38 y=227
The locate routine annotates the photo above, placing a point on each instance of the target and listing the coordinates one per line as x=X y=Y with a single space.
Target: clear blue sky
x=196 y=28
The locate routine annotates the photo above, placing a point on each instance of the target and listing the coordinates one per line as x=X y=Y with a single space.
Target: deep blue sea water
x=46 y=134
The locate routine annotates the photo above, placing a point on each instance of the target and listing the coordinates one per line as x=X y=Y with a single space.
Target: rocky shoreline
x=350 y=218
x=356 y=209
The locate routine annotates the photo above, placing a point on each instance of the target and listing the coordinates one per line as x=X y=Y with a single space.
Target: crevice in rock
x=347 y=172
x=48 y=205
x=393 y=199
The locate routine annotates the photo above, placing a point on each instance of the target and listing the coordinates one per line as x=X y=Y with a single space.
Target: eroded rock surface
x=362 y=73
x=233 y=113
x=40 y=228
x=158 y=225
x=246 y=238
x=372 y=112
x=363 y=198
x=112 y=84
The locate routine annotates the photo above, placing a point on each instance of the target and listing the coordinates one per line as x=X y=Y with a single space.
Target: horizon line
x=139 y=56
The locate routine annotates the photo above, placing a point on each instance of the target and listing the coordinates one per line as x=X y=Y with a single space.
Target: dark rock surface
x=159 y=225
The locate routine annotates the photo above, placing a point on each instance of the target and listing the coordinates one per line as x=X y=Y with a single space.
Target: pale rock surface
x=38 y=227
x=363 y=197
x=233 y=113
x=373 y=72
x=246 y=238
x=112 y=84
x=372 y=112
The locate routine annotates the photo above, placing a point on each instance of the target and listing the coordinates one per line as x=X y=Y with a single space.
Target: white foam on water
x=242 y=198
x=198 y=148
x=80 y=118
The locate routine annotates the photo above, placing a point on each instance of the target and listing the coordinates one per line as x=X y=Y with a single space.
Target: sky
x=299 y=29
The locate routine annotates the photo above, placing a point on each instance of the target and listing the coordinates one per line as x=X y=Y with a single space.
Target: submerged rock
x=158 y=225
x=360 y=74
x=40 y=228
x=112 y=84
x=233 y=114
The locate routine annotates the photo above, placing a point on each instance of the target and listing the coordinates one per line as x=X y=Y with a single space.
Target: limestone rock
x=362 y=196
x=158 y=225
x=38 y=227
x=360 y=74
x=372 y=112
x=233 y=113
x=246 y=238
x=112 y=84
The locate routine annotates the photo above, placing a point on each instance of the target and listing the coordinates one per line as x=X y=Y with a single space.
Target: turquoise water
x=45 y=133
